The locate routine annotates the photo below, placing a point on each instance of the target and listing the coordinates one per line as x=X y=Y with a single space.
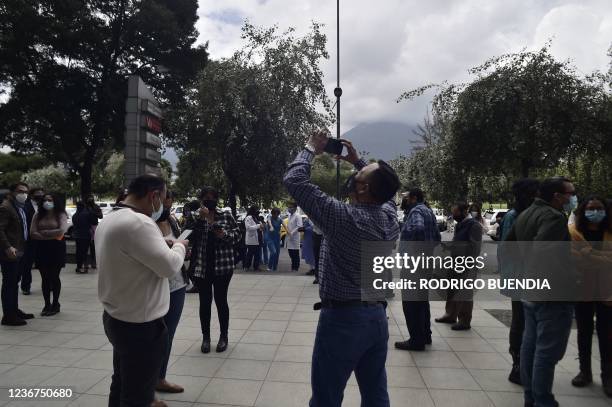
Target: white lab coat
x=250 y=237
x=293 y=235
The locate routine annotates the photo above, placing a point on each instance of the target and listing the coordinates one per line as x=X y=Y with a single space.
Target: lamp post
x=338 y=94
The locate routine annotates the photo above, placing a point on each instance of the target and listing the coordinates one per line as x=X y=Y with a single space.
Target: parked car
x=106 y=207
x=490 y=221
x=177 y=211
x=440 y=219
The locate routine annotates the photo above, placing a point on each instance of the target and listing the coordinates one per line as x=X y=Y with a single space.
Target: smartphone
x=334 y=146
x=185 y=234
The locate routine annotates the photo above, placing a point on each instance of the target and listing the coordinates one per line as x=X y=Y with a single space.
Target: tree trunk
x=525 y=167
x=232 y=197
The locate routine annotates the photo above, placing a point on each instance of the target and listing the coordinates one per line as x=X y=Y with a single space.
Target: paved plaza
x=267 y=364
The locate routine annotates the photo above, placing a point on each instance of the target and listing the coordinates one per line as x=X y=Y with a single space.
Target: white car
x=106 y=207
x=490 y=221
x=177 y=211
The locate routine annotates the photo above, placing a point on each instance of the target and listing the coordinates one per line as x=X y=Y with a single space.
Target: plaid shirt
x=345 y=227
x=420 y=225
x=224 y=250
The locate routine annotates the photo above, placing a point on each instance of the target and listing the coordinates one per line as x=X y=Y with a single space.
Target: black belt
x=347 y=304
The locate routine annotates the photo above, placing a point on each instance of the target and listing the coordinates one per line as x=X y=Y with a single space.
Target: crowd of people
x=146 y=262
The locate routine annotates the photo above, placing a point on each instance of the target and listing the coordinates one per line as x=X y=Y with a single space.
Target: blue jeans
x=172 y=318
x=264 y=252
x=350 y=339
x=547 y=329
x=274 y=251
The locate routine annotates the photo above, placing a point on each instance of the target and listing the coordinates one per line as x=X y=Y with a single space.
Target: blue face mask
x=595 y=216
x=571 y=205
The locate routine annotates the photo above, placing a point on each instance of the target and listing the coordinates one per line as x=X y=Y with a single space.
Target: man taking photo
x=352 y=334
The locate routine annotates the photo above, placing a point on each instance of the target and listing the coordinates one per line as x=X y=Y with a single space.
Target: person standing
x=592 y=241
x=212 y=255
x=171 y=231
x=48 y=227
x=352 y=334
x=30 y=208
x=251 y=239
x=308 y=247
x=82 y=223
x=294 y=227
x=97 y=211
x=135 y=264
x=525 y=191
x=317 y=240
x=467 y=241
x=13 y=237
x=274 y=225
x=420 y=235
x=547 y=323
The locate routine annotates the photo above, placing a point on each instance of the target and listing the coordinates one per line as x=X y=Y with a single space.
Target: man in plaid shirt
x=352 y=334
x=212 y=263
x=420 y=235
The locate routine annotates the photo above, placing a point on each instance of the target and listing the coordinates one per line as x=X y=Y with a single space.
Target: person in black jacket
x=82 y=222
x=95 y=209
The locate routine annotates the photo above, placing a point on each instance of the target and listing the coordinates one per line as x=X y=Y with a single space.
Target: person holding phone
x=352 y=334
x=214 y=235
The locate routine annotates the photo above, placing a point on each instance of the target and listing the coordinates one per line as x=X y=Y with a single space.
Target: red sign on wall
x=152 y=124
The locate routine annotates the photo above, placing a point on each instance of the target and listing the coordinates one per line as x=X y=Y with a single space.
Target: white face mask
x=156 y=214
x=474 y=214
x=48 y=205
x=21 y=197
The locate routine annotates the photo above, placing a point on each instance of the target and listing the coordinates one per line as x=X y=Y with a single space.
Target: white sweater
x=134 y=264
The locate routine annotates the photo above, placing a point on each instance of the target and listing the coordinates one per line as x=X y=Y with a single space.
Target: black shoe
x=310 y=272
x=45 y=311
x=408 y=345
x=582 y=379
x=23 y=315
x=12 y=320
x=26 y=292
x=316 y=282
x=55 y=309
x=222 y=345
x=428 y=340
x=515 y=375
x=446 y=320
x=205 y=348
x=460 y=327
x=192 y=290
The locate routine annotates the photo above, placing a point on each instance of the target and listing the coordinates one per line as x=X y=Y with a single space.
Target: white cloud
x=393 y=45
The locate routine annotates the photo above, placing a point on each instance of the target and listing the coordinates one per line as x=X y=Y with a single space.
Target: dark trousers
x=27 y=264
x=352 y=339
x=51 y=282
x=10 y=286
x=217 y=287
x=517 y=327
x=172 y=318
x=92 y=253
x=547 y=329
x=138 y=352
x=418 y=321
x=585 y=313
x=252 y=256
x=294 y=254
x=316 y=247
x=82 y=247
x=459 y=305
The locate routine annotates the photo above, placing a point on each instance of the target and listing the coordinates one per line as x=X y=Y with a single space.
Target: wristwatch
x=310 y=148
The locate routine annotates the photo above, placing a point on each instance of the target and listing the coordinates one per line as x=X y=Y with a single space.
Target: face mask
x=48 y=205
x=291 y=210
x=21 y=198
x=572 y=204
x=595 y=216
x=210 y=204
x=156 y=214
x=459 y=218
x=164 y=215
x=474 y=214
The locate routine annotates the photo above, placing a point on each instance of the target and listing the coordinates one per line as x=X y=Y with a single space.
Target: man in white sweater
x=134 y=263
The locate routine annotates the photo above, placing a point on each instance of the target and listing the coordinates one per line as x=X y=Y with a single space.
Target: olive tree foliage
x=251 y=113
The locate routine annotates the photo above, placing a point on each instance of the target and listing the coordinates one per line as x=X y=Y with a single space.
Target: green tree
x=251 y=114
x=51 y=178
x=13 y=166
x=324 y=173
x=65 y=66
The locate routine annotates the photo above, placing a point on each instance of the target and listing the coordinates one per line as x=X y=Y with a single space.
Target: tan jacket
x=595 y=266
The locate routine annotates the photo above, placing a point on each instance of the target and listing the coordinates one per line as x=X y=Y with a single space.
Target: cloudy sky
x=388 y=46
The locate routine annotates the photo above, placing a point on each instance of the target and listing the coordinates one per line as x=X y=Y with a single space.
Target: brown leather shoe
x=164 y=386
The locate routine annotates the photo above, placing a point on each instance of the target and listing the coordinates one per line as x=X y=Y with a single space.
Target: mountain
x=383 y=140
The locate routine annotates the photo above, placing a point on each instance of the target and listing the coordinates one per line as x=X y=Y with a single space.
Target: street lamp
x=338 y=94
